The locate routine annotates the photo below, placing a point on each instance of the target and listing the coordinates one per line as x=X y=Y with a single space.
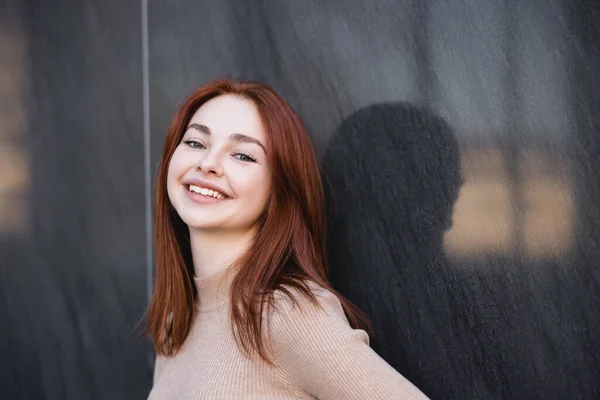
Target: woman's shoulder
x=307 y=304
x=303 y=294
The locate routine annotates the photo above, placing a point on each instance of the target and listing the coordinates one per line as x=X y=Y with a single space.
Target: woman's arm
x=316 y=348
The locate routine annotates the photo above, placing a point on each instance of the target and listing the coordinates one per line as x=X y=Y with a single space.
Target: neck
x=215 y=251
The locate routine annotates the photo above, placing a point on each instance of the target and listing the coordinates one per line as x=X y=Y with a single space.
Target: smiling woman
x=241 y=306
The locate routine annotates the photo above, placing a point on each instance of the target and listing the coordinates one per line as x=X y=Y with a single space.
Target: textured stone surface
x=73 y=279
x=459 y=142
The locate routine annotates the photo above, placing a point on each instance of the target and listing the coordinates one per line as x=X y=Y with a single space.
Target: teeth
x=205 y=192
x=194 y=188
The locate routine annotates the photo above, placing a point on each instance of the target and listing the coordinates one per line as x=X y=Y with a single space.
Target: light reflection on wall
x=484 y=221
x=14 y=163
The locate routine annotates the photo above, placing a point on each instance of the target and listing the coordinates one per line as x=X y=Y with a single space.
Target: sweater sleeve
x=158 y=362
x=317 y=350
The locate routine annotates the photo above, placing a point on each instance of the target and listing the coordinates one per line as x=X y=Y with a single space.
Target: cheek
x=175 y=171
x=264 y=190
x=256 y=188
x=177 y=166
x=171 y=176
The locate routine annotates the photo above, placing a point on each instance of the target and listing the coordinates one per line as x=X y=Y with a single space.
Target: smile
x=206 y=192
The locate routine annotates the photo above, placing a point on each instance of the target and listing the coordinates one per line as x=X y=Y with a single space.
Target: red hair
x=289 y=247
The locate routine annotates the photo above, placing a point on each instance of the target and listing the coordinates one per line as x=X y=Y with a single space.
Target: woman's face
x=219 y=178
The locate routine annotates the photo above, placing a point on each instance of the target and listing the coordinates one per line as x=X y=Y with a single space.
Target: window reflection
x=485 y=220
x=14 y=163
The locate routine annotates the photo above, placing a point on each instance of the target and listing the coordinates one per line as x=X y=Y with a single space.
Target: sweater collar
x=213 y=290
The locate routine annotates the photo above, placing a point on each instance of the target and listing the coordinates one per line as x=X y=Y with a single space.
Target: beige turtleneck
x=316 y=352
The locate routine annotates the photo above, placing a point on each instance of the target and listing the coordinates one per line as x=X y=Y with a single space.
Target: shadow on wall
x=392 y=177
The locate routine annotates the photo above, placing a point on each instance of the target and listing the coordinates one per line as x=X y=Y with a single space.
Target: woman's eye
x=193 y=144
x=244 y=157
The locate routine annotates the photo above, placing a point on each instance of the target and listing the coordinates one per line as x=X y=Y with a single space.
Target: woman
x=241 y=306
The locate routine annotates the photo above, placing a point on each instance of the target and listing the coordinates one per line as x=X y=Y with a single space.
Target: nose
x=211 y=164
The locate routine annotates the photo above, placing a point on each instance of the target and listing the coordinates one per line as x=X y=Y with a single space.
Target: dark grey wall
x=73 y=280
x=458 y=139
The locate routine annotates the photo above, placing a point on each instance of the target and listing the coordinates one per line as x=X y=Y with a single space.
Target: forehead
x=227 y=114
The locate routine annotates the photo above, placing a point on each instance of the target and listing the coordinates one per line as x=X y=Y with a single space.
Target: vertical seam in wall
x=147 y=171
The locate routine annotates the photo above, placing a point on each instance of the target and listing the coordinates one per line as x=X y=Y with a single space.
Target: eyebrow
x=238 y=137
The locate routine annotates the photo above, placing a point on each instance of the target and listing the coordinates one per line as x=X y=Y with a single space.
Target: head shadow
x=391 y=174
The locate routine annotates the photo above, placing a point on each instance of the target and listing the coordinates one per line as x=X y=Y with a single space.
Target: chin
x=195 y=223
x=208 y=220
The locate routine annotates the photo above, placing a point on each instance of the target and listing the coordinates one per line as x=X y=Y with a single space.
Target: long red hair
x=289 y=247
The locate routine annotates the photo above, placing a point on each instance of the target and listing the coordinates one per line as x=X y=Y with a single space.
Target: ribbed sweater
x=317 y=354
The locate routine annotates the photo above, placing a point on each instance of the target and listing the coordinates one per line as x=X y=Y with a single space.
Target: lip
x=205 y=184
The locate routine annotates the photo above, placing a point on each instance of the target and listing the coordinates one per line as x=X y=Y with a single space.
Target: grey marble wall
x=458 y=139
